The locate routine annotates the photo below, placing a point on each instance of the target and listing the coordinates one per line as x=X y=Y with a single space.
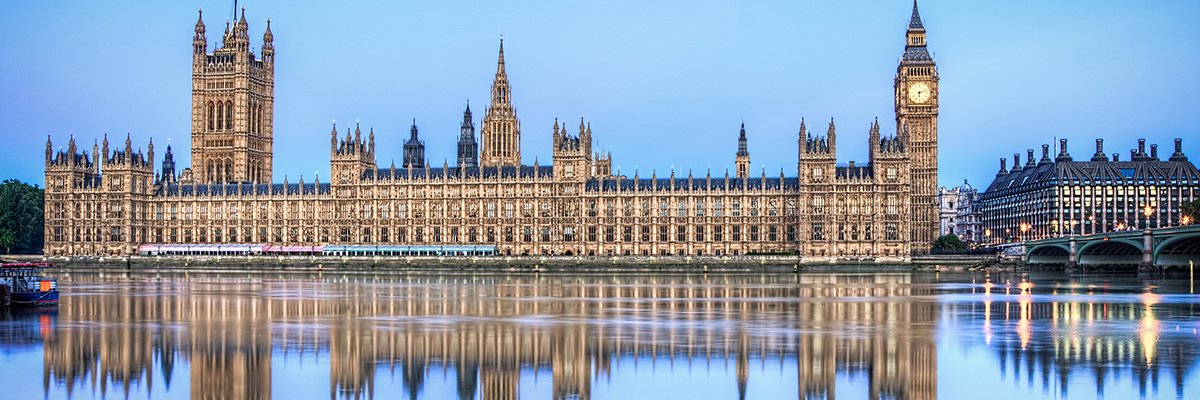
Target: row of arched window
x=220 y=115
x=222 y=170
x=256 y=117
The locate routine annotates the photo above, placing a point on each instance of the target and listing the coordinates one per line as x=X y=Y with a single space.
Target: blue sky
x=664 y=83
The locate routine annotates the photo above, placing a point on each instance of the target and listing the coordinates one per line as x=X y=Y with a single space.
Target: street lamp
x=1148 y=211
x=1187 y=219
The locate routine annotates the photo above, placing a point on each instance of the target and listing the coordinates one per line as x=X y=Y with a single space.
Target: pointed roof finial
x=500 y=63
x=915 y=23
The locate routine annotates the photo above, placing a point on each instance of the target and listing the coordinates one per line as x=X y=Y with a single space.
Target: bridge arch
x=1177 y=251
x=1058 y=253
x=1110 y=252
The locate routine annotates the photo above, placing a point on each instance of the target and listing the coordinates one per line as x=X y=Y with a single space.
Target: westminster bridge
x=1162 y=249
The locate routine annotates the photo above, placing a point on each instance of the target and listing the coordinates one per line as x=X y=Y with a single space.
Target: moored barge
x=22 y=284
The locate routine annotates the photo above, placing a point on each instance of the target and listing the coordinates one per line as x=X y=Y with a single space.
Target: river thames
x=605 y=336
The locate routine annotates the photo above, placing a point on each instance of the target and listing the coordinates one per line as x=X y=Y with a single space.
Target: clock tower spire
x=916 y=89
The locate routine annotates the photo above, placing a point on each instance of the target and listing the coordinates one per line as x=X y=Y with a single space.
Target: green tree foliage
x=21 y=218
x=948 y=243
x=1192 y=210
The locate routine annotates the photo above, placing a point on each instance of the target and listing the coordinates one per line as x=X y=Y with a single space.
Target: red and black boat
x=22 y=284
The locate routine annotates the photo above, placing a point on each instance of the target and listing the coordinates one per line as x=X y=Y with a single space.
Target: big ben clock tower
x=916 y=124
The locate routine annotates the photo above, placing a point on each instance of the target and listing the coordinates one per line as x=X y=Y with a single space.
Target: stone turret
x=468 y=149
x=414 y=149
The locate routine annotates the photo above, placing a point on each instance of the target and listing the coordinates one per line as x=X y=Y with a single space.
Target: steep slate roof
x=1090 y=172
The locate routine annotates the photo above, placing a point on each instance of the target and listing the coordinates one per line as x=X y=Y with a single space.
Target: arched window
x=228 y=115
x=212 y=116
x=220 y=117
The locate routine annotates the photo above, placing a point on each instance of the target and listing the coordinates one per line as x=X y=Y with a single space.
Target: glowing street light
x=1148 y=211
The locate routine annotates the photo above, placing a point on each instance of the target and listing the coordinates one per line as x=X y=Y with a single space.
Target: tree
x=21 y=218
x=948 y=244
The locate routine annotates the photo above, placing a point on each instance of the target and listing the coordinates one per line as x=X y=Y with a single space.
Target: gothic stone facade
x=110 y=202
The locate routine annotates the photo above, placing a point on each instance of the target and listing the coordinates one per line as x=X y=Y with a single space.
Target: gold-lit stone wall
x=108 y=203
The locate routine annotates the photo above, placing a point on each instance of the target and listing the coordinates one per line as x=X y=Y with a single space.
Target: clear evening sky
x=664 y=83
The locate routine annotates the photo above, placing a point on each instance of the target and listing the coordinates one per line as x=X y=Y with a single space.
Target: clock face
x=919 y=92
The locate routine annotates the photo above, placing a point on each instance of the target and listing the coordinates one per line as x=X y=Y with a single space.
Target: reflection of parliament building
x=484 y=333
x=479 y=327
x=114 y=198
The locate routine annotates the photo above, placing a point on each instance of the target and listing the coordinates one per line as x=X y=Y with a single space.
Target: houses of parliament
x=115 y=198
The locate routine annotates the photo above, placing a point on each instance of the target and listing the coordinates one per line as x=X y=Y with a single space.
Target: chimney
x=1003 y=166
x=1178 y=156
x=1154 y=152
x=1116 y=157
x=1141 y=150
x=1099 y=156
x=1029 y=161
x=1063 y=155
x=1133 y=154
x=1016 y=161
x=1045 y=155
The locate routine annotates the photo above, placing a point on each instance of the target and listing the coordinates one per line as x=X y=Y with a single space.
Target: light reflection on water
x=508 y=336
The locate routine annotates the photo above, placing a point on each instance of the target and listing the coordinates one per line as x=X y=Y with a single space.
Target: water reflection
x=555 y=336
x=1104 y=328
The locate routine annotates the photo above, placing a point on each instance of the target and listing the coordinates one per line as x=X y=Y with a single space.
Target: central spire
x=501 y=138
x=500 y=92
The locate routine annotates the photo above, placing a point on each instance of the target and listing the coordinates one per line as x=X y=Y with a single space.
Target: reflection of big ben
x=916 y=123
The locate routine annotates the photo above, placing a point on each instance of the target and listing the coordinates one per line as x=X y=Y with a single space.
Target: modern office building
x=1059 y=196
